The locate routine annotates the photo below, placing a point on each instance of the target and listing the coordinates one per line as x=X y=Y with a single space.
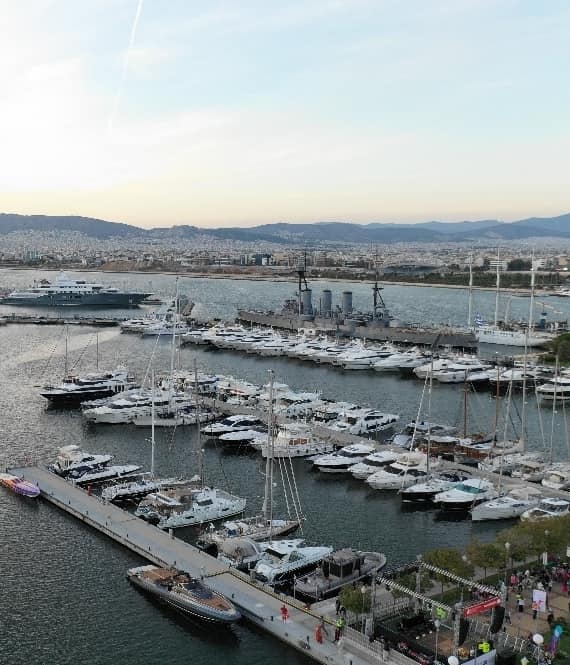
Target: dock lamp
x=545 y=554
x=507 y=551
x=363 y=592
x=437 y=624
x=453 y=660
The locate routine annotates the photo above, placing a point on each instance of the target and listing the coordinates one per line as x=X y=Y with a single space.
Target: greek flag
x=479 y=320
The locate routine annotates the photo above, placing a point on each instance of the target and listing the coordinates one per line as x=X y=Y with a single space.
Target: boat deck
x=257 y=603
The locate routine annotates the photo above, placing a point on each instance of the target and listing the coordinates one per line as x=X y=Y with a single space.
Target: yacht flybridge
x=282 y=561
x=466 y=495
x=344 y=459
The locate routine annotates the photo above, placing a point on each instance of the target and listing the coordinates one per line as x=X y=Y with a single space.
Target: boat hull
x=122 y=300
x=183 y=604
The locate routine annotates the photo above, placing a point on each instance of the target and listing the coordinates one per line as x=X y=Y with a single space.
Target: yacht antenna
x=199 y=434
x=152 y=415
x=268 y=498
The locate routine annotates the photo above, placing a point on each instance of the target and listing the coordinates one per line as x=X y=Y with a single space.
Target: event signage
x=479 y=608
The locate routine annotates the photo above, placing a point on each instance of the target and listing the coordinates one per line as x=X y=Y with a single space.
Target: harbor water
x=66 y=597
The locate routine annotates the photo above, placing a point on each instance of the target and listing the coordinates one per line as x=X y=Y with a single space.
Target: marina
x=241 y=473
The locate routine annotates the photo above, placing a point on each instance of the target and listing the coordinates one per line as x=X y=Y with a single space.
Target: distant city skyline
x=238 y=114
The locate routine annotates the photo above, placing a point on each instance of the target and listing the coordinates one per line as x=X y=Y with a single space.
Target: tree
x=451 y=560
x=519 y=264
x=485 y=555
x=352 y=598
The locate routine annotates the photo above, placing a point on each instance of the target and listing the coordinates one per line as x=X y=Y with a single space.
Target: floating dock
x=258 y=603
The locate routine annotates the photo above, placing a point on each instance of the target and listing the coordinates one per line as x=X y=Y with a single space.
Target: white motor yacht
x=235 y=423
x=188 y=505
x=70 y=458
x=296 y=440
x=509 y=506
x=466 y=495
x=245 y=437
x=329 y=412
x=364 y=421
x=439 y=364
x=362 y=358
x=374 y=462
x=393 y=362
x=297 y=405
x=460 y=373
x=281 y=562
x=547 y=508
x=345 y=458
x=408 y=469
x=425 y=491
x=557 y=389
x=557 y=477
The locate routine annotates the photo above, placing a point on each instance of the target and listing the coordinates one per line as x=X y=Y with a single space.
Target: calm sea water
x=65 y=596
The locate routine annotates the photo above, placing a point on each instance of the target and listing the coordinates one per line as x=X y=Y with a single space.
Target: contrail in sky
x=119 y=94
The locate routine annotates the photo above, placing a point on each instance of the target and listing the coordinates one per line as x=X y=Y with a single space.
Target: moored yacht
x=71 y=458
x=76 y=389
x=547 y=508
x=373 y=462
x=364 y=421
x=509 y=506
x=557 y=477
x=296 y=440
x=342 y=567
x=235 y=423
x=281 y=562
x=341 y=461
x=425 y=491
x=19 y=485
x=466 y=495
x=188 y=505
x=408 y=469
x=556 y=389
x=184 y=593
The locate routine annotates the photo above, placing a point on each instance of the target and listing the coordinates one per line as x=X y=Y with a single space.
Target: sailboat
x=506 y=334
x=264 y=526
x=137 y=489
x=191 y=503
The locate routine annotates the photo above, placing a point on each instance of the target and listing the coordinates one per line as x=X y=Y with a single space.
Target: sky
x=244 y=112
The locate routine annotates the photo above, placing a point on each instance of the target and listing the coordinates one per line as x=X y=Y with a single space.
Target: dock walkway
x=258 y=603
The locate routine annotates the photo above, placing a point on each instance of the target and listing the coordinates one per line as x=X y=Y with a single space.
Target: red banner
x=479 y=608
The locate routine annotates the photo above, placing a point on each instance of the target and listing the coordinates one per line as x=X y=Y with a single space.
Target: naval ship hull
x=122 y=300
x=369 y=331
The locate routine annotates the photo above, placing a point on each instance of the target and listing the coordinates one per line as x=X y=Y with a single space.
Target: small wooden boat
x=184 y=593
x=19 y=485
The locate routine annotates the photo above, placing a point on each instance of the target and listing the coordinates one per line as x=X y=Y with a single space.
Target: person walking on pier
x=319 y=634
x=284 y=613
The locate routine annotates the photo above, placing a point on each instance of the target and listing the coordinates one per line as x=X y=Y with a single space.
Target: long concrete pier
x=258 y=603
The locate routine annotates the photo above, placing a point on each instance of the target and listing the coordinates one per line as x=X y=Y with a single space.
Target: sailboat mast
x=199 y=434
x=268 y=498
x=97 y=349
x=65 y=368
x=497 y=405
x=465 y=407
x=152 y=416
x=470 y=307
x=498 y=287
x=523 y=408
x=531 y=306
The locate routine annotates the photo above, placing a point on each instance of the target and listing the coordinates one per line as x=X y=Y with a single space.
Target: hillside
x=306 y=234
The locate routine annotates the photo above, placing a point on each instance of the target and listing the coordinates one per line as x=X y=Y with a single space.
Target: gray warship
x=344 y=321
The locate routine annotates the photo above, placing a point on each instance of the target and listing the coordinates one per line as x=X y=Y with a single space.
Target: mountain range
x=308 y=234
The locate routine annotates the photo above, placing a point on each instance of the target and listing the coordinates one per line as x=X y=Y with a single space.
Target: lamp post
x=507 y=550
x=545 y=555
x=538 y=639
x=453 y=660
x=363 y=592
x=437 y=624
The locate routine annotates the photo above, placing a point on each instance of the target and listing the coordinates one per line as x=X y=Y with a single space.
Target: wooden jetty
x=258 y=603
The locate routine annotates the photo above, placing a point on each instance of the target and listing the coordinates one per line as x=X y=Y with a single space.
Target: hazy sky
x=244 y=112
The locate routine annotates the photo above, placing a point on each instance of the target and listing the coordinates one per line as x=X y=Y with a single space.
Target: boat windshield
x=470 y=489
